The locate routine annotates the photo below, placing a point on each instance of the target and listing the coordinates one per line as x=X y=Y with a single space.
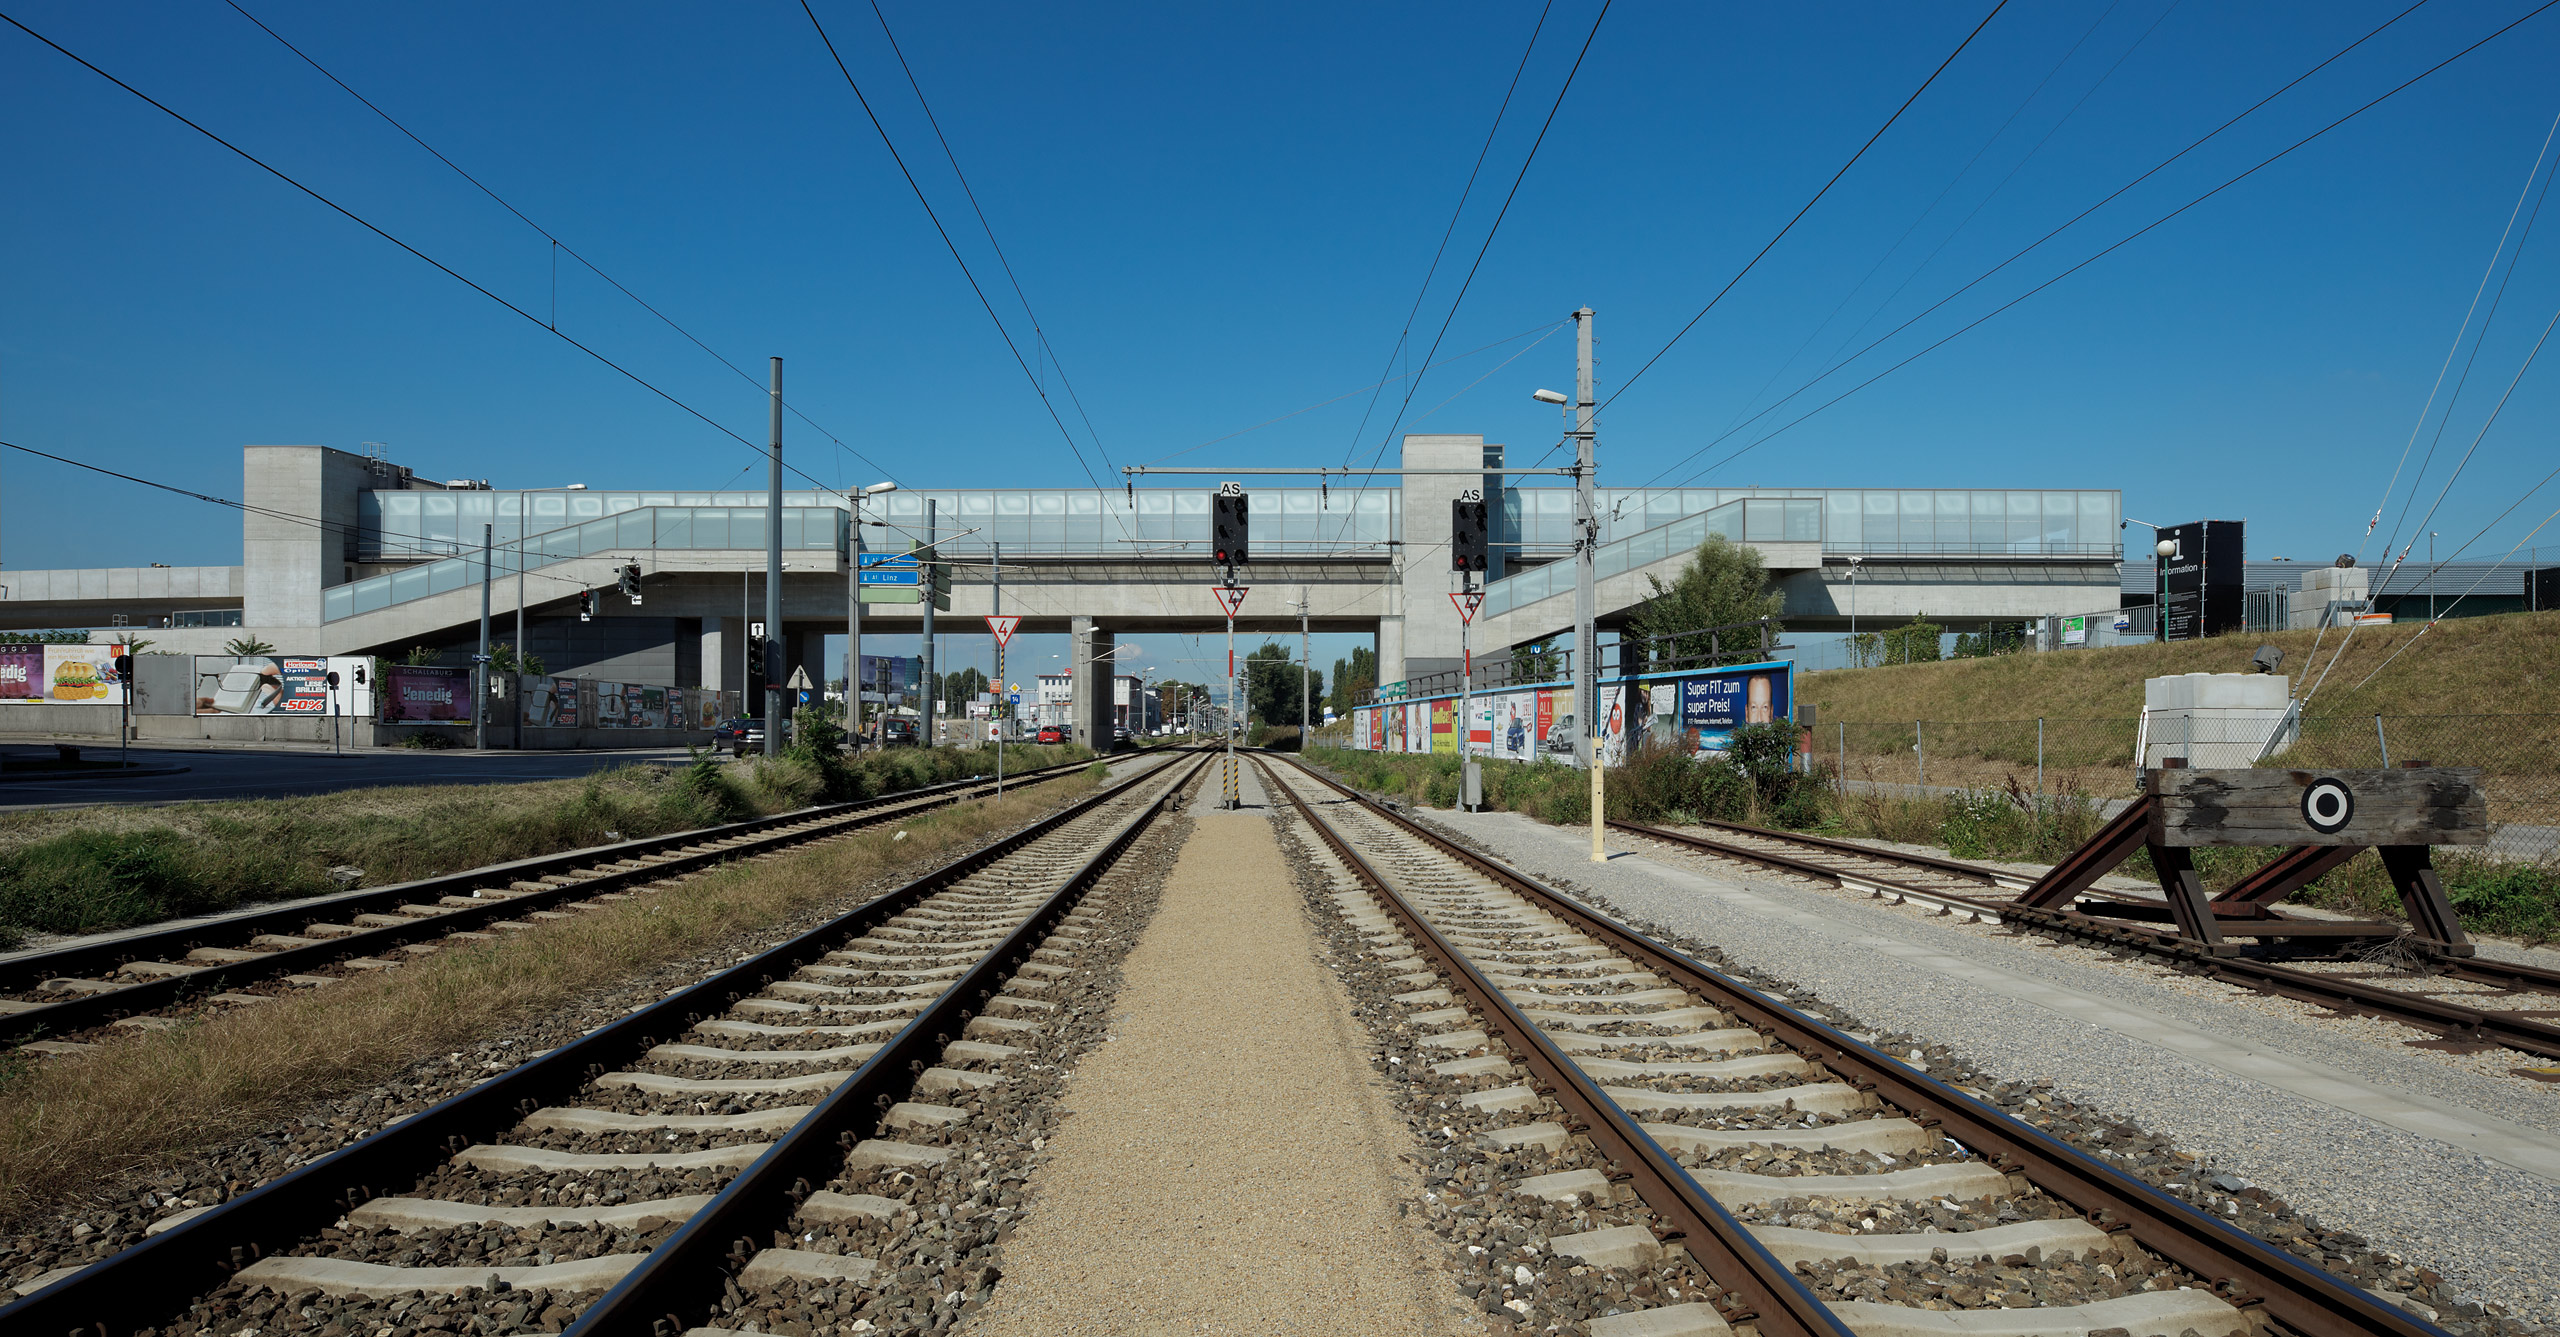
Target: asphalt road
x=230 y=773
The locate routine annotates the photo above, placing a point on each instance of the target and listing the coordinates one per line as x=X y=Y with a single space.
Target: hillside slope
x=2503 y=665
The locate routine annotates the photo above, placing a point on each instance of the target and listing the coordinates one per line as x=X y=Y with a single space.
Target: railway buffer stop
x=2323 y=817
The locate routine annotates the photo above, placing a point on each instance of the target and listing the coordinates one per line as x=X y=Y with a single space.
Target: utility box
x=2211 y=721
x=1471 y=786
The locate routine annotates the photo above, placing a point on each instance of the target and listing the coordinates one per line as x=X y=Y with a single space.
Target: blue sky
x=1222 y=215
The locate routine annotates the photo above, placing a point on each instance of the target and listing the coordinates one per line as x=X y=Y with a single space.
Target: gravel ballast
x=2441 y=1209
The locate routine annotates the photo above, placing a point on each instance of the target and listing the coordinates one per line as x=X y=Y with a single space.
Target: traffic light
x=631 y=581
x=1467 y=535
x=586 y=605
x=1229 y=536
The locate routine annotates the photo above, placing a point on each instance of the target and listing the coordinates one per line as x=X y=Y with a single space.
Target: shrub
x=2510 y=898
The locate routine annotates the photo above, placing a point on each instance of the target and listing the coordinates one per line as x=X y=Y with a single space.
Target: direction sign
x=1467 y=604
x=889 y=568
x=1231 y=597
x=1002 y=625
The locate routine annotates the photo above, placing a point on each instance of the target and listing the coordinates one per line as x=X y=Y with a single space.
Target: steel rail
x=2243 y=1268
x=72 y=1015
x=2452 y=1021
x=681 y=1282
x=1951 y=867
x=1772 y=1295
x=142 y=1286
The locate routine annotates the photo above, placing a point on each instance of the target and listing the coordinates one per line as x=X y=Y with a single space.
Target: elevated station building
x=347 y=554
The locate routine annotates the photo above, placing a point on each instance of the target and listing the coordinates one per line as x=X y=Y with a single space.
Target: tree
x=247 y=646
x=1271 y=684
x=959 y=688
x=419 y=655
x=1353 y=679
x=503 y=659
x=1916 y=642
x=1725 y=584
x=1995 y=638
x=1538 y=661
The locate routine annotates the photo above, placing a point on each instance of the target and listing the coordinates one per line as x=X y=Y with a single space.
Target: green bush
x=2521 y=900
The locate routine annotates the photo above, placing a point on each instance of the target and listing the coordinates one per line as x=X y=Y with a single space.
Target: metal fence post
x=2381 y=742
x=2039 y=756
x=1920 y=749
x=1844 y=758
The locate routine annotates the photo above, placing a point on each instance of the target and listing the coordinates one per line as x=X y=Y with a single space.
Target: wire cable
x=1404 y=335
x=1037 y=332
x=2428 y=409
x=949 y=245
x=2126 y=240
x=547 y=235
x=1781 y=233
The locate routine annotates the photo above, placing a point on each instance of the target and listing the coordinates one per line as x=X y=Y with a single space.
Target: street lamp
x=2161 y=552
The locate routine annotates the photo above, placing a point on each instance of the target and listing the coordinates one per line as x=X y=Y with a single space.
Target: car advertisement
x=415 y=693
x=262 y=685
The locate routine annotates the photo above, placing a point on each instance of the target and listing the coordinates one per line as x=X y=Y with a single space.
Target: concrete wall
x=96 y=596
x=1431 y=641
x=290 y=561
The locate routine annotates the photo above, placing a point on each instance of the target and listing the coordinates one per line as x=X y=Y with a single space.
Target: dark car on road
x=743 y=734
x=898 y=731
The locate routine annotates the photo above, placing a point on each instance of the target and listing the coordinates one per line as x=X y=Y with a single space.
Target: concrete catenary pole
x=1306 y=663
x=1586 y=639
x=480 y=661
x=996 y=711
x=924 y=642
x=853 y=623
x=773 y=581
x=517 y=733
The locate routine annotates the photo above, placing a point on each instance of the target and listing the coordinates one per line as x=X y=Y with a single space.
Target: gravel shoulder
x=2169 y=1052
x=1230 y=1160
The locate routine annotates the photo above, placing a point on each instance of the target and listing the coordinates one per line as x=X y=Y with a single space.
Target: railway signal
x=1230 y=538
x=1469 y=536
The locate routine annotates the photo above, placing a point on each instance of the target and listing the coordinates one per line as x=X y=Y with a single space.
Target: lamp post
x=2161 y=551
x=1854 y=564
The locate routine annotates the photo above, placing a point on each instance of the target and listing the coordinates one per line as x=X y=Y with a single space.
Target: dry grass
x=2502 y=665
x=150 y=1100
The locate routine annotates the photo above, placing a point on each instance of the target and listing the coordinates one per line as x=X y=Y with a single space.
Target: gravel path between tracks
x=2438 y=1207
x=1230 y=1163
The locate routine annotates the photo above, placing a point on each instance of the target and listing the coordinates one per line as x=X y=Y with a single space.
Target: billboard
x=550 y=703
x=22 y=673
x=68 y=674
x=262 y=685
x=2200 y=580
x=1715 y=704
x=425 y=692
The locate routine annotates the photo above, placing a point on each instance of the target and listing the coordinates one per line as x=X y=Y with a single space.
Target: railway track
x=638 y=1178
x=2428 y=996
x=1636 y=1069
x=60 y=1002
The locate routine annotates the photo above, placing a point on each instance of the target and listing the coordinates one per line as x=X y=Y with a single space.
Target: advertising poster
x=1515 y=732
x=1715 y=704
x=82 y=674
x=1374 y=729
x=1614 y=705
x=1653 y=713
x=550 y=703
x=613 y=710
x=1553 y=741
x=679 y=715
x=1479 y=741
x=22 y=673
x=1444 y=735
x=648 y=707
x=428 y=692
x=261 y=685
x=588 y=688
x=706 y=707
x=1395 y=727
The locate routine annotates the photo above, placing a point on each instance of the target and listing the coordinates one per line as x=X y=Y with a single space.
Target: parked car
x=1050 y=733
x=898 y=731
x=1119 y=735
x=744 y=734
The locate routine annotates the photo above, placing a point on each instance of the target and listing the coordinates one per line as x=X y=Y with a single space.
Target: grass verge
x=89 y=869
x=147 y=1100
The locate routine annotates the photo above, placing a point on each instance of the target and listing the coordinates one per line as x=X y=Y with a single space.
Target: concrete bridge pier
x=1090 y=682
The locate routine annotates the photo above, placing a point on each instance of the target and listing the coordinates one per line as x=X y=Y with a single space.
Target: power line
x=2126 y=240
x=547 y=234
x=360 y=221
x=1526 y=161
x=1404 y=335
x=1037 y=332
x=949 y=245
x=1781 y=233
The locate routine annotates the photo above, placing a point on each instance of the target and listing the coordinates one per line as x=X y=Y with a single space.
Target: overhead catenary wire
x=1404 y=336
x=948 y=244
x=2120 y=243
x=548 y=235
x=1038 y=332
x=1781 y=233
x=2427 y=410
x=2476 y=583
x=1527 y=160
x=377 y=230
x=2023 y=251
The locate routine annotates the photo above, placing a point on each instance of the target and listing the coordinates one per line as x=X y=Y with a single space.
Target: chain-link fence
x=2518 y=754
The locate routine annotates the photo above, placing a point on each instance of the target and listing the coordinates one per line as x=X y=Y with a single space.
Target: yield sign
x=1002 y=624
x=1232 y=596
x=1467 y=604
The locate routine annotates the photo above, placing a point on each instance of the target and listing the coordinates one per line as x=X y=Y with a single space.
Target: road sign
x=799 y=680
x=1467 y=604
x=1002 y=625
x=994 y=731
x=1231 y=597
x=1013 y=697
x=889 y=568
x=755 y=629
